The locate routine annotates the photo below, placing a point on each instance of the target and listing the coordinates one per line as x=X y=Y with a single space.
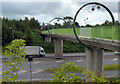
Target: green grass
x=1 y=50
x=108 y=32
x=112 y=67
x=66 y=31
x=106 y=67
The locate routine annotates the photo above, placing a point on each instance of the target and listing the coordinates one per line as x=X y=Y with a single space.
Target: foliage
x=51 y=70
x=15 y=52
x=112 y=67
x=113 y=80
x=69 y=22
x=67 y=73
x=30 y=30
x=28 y=36
x=14 y=29
x=91 y=76
x=106 y=67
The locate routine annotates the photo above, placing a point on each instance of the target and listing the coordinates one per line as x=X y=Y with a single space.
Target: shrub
x=16 y=56
x=67 y=73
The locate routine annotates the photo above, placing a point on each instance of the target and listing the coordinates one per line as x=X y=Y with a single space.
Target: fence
x=106 y=32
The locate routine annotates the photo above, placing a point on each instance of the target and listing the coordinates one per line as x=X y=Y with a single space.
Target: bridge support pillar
x=48 y=39
x=94 y=59
x=98 y=61
x=58 y=48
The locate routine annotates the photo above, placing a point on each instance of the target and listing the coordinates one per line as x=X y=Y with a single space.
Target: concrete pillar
x=48 y=39
x=89 y=58
x=58 y=48
x=94 y=58
x=98 y=61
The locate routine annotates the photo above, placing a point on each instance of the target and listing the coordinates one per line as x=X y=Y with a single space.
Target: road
x=39 y=65
x=78 y=54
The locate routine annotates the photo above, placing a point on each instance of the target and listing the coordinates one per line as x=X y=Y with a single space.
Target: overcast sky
x=45 y=11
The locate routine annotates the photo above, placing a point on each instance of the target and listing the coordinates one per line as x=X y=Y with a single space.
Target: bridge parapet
x=109 y=32
x=106 y=32
x=97 y=42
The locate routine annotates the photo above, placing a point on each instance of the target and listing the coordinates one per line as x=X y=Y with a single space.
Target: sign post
x=30 y=58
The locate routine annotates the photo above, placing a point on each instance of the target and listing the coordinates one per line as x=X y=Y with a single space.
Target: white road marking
x=21 y=72
x=115 y=59
x=37 y=71
x=0 y=72
x=60 y=61
x=79 y=60
x=109 y=76
x=37 y=62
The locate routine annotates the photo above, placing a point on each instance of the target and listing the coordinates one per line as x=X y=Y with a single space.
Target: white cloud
x=59 y=0
x=45 y=11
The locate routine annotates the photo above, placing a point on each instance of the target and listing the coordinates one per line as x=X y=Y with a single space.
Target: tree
x=6 y=33
x=28 y=35
x=77 y=24
x=57 y=25
x=69 y=22
x=15 y=53
x=117 y=23
x=107 y=23
x=68 y=18
x=88 y=25
x=34 y=24
x=97 y=25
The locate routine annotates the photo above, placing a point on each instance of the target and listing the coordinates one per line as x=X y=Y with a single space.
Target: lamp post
x=93 y=8
x=52 y=20
x=94 y=55
x=12 y=33
x=85 y=21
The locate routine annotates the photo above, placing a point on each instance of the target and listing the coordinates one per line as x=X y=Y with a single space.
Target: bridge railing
x=109 y=32
x=104 y=32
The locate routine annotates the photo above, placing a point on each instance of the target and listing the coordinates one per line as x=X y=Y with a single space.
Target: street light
x=85 y=20
x=98 y=7
x=58 y=19
x=93 y=7
x=12 y=33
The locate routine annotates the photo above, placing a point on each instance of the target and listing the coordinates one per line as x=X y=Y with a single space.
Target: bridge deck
x=97 y=42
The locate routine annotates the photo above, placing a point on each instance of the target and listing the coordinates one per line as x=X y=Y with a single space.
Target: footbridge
x=95 y=39
x=98 y=38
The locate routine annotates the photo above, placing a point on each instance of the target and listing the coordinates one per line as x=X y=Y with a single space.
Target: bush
x=16 y=56
x=67 y=73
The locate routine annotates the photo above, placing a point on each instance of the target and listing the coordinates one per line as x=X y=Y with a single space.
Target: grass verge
x=106 y=67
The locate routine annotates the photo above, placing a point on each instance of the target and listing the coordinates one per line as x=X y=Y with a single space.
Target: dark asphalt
x=38 y=67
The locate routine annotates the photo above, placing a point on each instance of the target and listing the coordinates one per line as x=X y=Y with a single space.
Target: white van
x=42 y=52
x=35 y=51
x=117 y=53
